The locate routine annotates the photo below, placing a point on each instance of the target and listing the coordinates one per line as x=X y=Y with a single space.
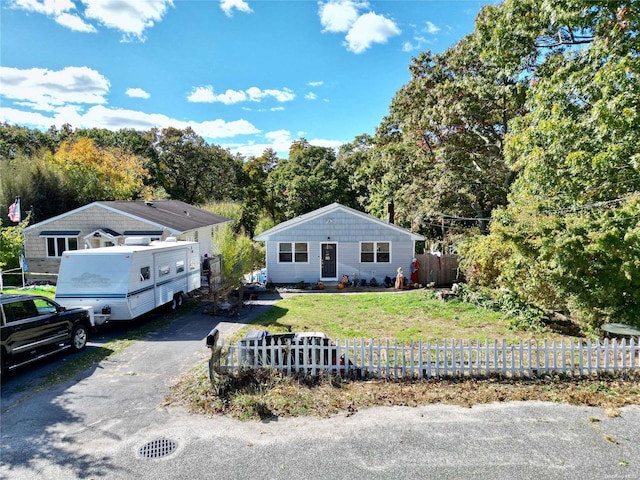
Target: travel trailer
x=123 y=282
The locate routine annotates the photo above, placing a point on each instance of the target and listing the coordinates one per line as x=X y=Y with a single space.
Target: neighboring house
x=333 y=241
x=102 y=224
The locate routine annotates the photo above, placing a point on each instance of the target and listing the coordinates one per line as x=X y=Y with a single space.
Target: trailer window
x=164 y=270
x=145 y=273
x=180 y=266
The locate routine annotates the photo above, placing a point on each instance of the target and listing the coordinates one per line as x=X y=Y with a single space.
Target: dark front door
x=329 y=260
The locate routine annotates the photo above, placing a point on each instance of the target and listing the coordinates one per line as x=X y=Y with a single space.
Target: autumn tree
x=94 y=173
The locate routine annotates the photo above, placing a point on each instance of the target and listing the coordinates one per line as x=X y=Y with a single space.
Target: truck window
x=44 y=307
x=180 y=266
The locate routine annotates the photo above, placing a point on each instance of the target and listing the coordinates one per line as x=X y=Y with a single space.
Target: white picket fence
x=425 y=359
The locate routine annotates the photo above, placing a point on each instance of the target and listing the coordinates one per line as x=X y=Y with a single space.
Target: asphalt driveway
x=99 y=425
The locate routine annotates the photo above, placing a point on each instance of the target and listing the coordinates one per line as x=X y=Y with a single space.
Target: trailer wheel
x=79 y=337
x=180 y=299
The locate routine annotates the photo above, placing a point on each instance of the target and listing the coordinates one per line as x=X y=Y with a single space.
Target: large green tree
x=191 y=170
x=444 y=136
x=569 y=238
x=307 y=180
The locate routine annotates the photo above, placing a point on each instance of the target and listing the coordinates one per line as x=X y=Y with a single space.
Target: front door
x=329 y=260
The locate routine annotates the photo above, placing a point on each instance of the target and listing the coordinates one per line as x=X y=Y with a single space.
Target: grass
x=44 y=290
x=403 y=316
x=266 y=393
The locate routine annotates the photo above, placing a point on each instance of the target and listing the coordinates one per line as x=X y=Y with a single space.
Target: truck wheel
x=179 y=299
x=79 y=337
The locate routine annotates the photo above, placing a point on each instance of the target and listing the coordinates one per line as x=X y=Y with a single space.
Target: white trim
x=293 y=253
x=327 y=279
x=375 y=255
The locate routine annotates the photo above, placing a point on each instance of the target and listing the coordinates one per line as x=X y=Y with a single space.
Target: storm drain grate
x=158 y=448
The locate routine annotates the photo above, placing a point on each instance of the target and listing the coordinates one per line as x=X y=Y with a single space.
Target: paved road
x=94 y=426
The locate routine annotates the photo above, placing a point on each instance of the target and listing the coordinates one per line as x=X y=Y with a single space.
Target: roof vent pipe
x=390 y=213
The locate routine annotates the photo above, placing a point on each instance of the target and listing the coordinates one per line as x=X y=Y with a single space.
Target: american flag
x=14 y=210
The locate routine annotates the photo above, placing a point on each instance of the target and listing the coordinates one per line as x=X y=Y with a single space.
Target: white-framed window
x=375 y=252
x=57 y=245
x=180 y=266
x=293 y=252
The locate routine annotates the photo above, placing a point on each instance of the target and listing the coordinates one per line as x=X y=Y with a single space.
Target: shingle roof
x=264 y=236
x=173 y=214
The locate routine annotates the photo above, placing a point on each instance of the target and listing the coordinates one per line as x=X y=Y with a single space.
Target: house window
x=375 y=252
x=57 y=245
x=293 y=252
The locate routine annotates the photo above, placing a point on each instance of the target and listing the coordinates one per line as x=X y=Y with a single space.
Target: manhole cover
x=157 y=448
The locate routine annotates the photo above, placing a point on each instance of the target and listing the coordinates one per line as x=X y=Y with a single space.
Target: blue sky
x=246 y=75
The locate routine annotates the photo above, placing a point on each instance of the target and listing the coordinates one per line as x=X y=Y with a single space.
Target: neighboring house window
x=375 y=252
x=57 y=245
x=293 y=253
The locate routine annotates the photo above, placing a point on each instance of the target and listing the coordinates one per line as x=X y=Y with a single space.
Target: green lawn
x=403 y=316
x=47 y=291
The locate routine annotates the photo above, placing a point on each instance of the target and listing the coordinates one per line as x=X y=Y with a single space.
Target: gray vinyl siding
x=346 y=231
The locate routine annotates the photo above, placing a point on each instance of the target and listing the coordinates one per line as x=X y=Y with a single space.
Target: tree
x=94 y=173
x=571 y=226
x=448 y=124
x=191 y=170
x=307 y=180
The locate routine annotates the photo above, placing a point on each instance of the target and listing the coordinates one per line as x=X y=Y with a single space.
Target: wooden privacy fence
x=425 y=359
x=439 y=269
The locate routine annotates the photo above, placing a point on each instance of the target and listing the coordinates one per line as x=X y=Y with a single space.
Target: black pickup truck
x=33 y=327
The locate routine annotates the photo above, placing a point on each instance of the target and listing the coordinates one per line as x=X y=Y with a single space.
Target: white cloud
x=202 y=95
x=227 y=6
x=230 y=97
x=256 y=95
x=75 y=23
x=116 y=118
x=137 y=93
x=276 y=109
x=370 y=28
x=131 y=18
x=45 y=7
x=310 y=96
x=205 y=94
x=337 y=16
x=43 y=89
x=432 y=28
x=315 y=84
x=419 y=42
